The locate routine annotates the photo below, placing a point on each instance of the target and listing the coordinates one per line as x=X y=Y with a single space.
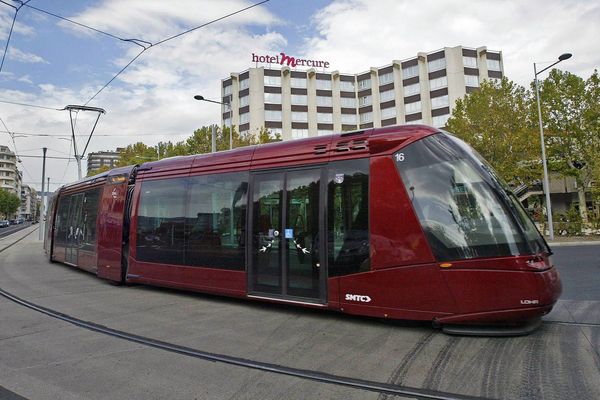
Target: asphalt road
x=45 y=358
x=579 y=268
x=13 y=229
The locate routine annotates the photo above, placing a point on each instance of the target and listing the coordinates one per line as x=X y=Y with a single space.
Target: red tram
x=403 y=222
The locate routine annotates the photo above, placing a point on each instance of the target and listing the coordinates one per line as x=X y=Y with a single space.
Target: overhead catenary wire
x=30 y=105
x=150 y=45
x=12 y=26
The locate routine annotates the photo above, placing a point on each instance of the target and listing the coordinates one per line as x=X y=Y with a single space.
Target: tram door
x=287 y=232
x=73 y=230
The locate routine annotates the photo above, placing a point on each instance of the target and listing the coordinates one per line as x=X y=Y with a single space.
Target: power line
x=134 y=41
x=31 y=105
x=150 y=45
x=11 y=28
x=58 y=135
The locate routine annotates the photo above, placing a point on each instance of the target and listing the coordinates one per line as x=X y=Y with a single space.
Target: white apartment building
x=28 y=202
x=10 y=178
x=103 y=158
x=302 y=103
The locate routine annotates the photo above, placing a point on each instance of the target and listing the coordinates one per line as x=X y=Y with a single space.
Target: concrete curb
x=580 y=243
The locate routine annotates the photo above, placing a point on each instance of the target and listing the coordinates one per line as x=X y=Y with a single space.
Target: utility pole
x=42 y=218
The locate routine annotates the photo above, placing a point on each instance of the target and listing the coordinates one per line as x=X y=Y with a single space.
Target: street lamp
x=201 y=98
x=562 y=57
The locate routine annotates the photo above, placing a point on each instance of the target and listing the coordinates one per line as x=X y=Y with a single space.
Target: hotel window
x=364 y=100
x=386 y=95
x=272 y=115
x=386 y=78
x=324 y=101
x=348 y=102
x=298 y=82
x=325 y=118
x=415 y=88
x=298 y=116
x=438 y=102
x=472 y=80
x=299 y=99
x=436 y=65
x=244 y=118
x=495 y=81
x=366 y=117
x=438 y=83
x=493 y=65
x=347 y=86
x=470 y=62
x=410 y=72
x=244 y=101
x=245 y=132
x=440 y=120
x=299 y=133
x=415 y=122
x=388 y=113
x=364 y=84
x=323 y=84
x=349 y=119
x=412 y=108
x=273 y=98
x=226 y=122
x=272 y=80
x=227 y=90
x=324 y=132
x=245 y=84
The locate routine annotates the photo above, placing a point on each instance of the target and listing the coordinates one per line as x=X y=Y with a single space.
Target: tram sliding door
x=73 y=229
x=287 y=227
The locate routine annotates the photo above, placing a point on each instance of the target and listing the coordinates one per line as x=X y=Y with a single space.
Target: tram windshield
x=464 y=208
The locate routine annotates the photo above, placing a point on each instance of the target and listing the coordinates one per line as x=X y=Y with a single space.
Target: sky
x=53 y=63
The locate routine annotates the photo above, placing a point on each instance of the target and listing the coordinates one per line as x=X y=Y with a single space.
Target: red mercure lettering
x=326 y=64
x=291 y=61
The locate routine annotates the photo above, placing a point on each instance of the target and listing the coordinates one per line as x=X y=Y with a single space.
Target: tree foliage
x=495 y=120
x=103 y=168
x=199 y=142
x=571 y=116
x=9 y=203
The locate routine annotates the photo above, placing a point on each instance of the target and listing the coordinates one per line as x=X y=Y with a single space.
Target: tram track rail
x=314 y=375
x=307 y=374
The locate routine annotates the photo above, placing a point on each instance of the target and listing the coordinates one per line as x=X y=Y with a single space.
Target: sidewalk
x=574 y=240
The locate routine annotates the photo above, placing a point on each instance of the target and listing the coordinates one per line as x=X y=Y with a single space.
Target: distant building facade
x=103 y=158
x=10 y=177
x=29 y=202
x=302 y=103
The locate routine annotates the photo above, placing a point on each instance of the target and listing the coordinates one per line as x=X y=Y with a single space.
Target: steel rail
x=357 y=383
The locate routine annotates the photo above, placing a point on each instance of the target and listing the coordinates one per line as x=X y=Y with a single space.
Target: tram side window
x=87 y=232
x=160 y=225
x=348 y=217
x=61 y=223
x=216 y=221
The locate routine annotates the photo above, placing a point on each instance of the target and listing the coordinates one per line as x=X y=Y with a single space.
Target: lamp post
x=562 y=57
x=201 y=98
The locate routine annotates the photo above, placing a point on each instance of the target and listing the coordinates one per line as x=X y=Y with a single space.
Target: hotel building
x=301 y=103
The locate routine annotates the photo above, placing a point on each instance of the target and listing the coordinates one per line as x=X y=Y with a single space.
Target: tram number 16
x=399 y=157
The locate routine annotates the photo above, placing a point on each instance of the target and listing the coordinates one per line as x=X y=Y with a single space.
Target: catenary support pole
x=42 y=216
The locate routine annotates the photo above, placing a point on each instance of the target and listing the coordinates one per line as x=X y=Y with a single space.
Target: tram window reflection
x=348 y=217
x=216 y=221
x=160 y=227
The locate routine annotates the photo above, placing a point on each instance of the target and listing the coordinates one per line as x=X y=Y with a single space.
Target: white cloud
x=21 y=56
x=358 y=34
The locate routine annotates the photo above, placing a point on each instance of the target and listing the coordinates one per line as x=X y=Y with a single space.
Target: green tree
x=495 y=120
x=571 y=111
x=9 y=203
x=137 y=153
x=97 y=171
